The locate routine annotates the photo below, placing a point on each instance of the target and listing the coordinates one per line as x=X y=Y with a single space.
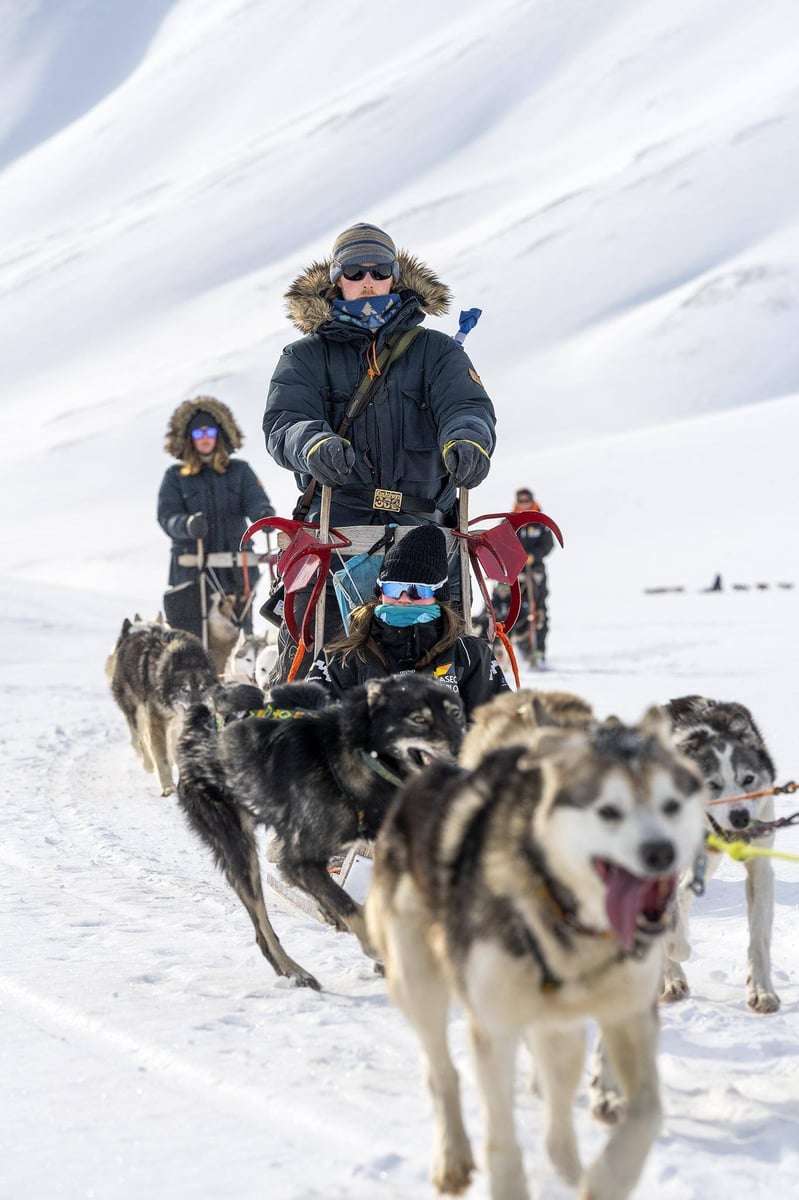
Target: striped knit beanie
x=362 y=243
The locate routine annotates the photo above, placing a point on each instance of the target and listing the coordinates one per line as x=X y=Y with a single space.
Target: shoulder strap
x=360 y=398
x=392 y=350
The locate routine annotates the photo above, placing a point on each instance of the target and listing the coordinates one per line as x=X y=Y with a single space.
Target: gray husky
x=321 y=774
x=535 y=888
x=156 y=674
x=724 y=743
x=728 y=748
x=511 y=717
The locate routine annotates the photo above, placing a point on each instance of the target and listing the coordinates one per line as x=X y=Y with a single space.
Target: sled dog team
x=535 y=868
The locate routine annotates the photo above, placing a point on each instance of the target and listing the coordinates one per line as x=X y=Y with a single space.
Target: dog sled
x=188 y=605
x=313 y=552
x=352 y=873
x=307 y=548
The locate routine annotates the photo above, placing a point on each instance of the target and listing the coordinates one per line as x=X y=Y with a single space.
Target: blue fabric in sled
x=355 y=583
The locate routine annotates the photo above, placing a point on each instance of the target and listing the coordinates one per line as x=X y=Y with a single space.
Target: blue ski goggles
x=206 y=431
x=414 y=591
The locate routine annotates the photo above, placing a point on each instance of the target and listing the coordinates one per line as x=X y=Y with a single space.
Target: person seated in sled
x=208 y=495
x=428 y=429
x=409 y=626
x=537 y=541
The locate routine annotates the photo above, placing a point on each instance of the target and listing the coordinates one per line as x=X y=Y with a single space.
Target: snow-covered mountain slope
x=615 y=185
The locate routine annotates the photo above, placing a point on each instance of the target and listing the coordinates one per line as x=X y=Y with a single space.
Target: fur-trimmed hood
x=180 y=420
x=308 y=300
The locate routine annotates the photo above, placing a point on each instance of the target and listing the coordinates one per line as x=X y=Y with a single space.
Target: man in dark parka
x=429 y=427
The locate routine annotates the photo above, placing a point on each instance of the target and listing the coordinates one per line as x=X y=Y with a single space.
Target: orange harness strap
x=297 y=661
x=506 y=642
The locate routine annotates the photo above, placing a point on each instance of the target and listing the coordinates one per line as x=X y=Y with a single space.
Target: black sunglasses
x=207 y=431
x=356 y=271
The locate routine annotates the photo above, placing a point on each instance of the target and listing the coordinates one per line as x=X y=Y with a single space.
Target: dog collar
x=564 y=915
x=372 y=760
x=565 y=919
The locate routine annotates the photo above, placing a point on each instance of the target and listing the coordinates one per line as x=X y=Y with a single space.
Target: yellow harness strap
x=741 y=851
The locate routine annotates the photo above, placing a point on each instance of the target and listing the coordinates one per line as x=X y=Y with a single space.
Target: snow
x=615 y=185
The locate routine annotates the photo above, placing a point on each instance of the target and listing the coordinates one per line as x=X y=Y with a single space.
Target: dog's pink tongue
x=624 y=901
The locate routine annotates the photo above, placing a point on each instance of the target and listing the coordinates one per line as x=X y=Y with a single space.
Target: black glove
x=197 y=526
x=467 y=463
x=331 y=460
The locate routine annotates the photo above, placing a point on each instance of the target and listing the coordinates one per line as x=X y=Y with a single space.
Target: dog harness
x=565 y=919
x=268 y=712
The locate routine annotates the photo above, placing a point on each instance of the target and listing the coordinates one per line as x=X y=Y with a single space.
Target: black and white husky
x=535 y=888
x=321 y=776
x=722 y=739
x=726 y=746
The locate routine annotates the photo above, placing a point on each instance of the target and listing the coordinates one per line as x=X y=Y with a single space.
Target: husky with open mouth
x=536 y=890
x=320 y=773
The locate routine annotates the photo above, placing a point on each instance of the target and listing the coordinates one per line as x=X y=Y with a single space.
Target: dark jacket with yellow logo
x=467 y=667
x=431 y=396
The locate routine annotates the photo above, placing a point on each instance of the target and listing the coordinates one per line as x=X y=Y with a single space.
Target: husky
x=265 y=662
x=511 y=717
x=156 y=674
x=321 y=774
x=252 y=659
x=723 y=741
x=241 y=661
x=535 y=888
x=721 y=737
x=223 y=629
x=138 y=623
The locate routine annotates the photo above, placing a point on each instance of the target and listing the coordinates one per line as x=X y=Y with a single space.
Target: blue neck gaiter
x=406 y=614
x=369 y=312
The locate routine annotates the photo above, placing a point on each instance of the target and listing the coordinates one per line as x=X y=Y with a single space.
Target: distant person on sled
x=426 y=426
x=208 y=497
x=408 y=627
x=530 y=631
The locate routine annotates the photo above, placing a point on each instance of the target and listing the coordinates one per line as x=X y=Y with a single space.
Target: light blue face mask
x=407 y=614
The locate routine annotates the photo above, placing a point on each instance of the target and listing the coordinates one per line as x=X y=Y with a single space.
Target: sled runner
x=353 y=875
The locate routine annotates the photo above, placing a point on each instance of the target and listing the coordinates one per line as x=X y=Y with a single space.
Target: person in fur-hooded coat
x=428 y=429
x=209 y=484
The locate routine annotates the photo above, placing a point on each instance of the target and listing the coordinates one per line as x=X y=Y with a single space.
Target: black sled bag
x=182 y=607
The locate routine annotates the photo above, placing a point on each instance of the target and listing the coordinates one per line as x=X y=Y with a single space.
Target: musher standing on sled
x=427 y=429
x=209 y=495
x=537 y=541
